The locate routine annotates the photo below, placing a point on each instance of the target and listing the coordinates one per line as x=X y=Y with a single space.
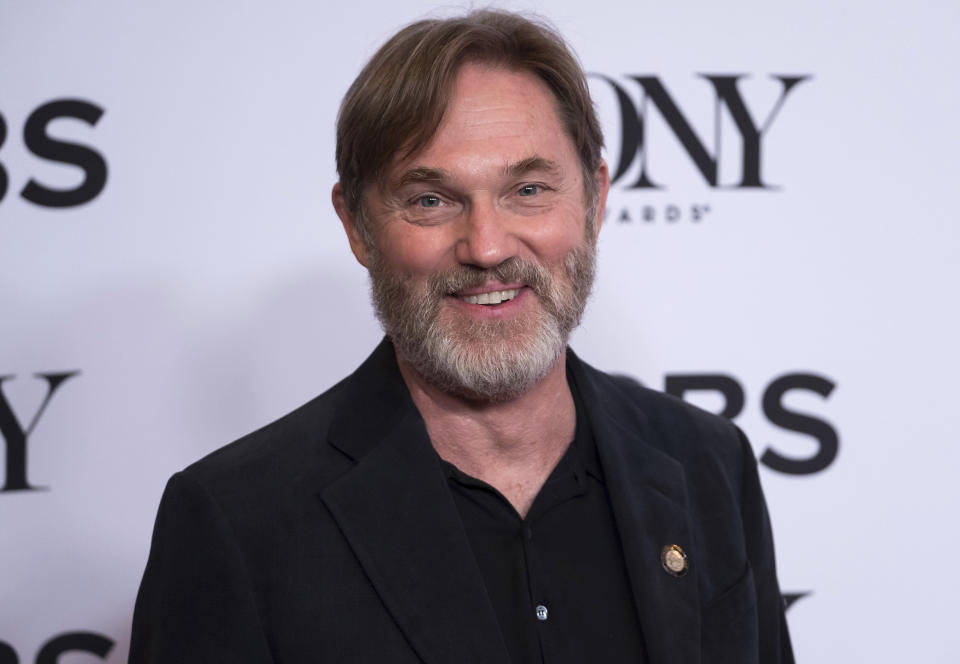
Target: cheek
x=414 y=251
x=552 y=241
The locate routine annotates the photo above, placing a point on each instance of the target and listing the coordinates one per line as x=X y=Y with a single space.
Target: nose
x=486 y=237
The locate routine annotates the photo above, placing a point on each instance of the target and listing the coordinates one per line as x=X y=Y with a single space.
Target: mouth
x=490 y=298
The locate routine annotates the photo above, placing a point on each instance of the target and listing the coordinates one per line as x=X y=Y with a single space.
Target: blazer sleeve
x=196 y=602
x=774 y=639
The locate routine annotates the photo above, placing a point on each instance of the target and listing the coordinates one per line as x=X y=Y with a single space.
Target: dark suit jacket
x=331 y=536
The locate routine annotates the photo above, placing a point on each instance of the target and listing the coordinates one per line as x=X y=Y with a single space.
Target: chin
x=489 y=362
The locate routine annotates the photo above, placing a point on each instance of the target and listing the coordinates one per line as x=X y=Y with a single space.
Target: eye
x=529 y=190
x=429 y=201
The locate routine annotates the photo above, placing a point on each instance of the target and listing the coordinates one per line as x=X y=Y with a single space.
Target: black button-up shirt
x=556 y=579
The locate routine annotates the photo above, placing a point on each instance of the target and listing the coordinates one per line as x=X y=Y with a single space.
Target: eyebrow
x=531 y=164
x=517 y=169
x=422 y=174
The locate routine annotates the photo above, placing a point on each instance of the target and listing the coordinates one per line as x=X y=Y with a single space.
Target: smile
x=493 y=297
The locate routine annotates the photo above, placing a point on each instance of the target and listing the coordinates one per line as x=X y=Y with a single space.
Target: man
x=473 y=492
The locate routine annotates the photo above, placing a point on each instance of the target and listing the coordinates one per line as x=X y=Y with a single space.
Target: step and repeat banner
x=780 y=247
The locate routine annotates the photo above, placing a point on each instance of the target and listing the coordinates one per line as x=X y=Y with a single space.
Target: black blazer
x=331 y=536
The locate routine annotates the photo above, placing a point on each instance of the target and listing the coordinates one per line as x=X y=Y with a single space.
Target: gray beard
x=483 y=360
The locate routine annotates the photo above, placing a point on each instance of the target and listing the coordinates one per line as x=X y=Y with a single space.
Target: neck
x=512 y=445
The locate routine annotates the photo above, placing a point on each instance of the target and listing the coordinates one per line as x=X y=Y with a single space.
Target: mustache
x=514 y=269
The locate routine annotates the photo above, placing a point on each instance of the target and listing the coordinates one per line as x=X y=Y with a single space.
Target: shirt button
x=528 y=533
x=541 y=612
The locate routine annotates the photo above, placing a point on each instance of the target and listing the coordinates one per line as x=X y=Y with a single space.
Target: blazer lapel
x=396 y=512
x=648 y=494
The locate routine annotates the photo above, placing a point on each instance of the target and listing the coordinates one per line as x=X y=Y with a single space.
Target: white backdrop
x=208 y=289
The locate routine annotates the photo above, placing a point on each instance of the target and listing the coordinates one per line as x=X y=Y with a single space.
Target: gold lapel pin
x=674 y=560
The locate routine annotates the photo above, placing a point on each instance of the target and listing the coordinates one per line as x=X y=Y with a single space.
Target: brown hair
x=397 y=102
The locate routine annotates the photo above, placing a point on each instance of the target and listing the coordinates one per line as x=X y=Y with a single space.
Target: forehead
x=495 y=116
x=484 y=94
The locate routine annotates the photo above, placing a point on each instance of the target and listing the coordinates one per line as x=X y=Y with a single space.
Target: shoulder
x=699 y=440
x=311 y=446
x=275 y=456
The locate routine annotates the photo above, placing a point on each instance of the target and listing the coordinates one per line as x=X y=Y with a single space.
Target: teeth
x=493 y=297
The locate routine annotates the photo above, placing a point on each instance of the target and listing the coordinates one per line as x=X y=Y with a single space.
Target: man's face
x=482 y=260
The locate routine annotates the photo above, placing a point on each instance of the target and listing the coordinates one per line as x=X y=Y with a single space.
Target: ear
x=357 y=245
x=602 y=177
